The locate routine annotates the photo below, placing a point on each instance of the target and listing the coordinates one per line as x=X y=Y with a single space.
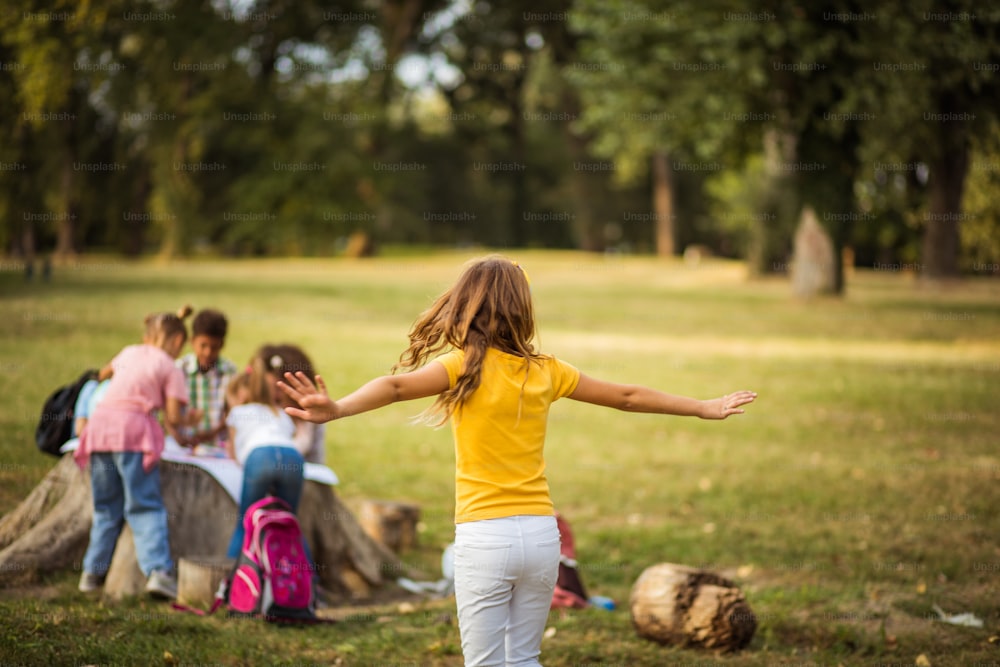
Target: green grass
x=857 y=492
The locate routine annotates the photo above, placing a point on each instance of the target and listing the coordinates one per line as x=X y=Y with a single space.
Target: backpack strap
x=216 y=603
x=220 y=598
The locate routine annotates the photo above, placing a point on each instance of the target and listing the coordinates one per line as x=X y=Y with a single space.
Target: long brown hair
x=286 y=358
x=489 y=306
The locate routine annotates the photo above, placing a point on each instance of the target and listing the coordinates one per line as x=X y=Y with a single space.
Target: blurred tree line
x=283 y=126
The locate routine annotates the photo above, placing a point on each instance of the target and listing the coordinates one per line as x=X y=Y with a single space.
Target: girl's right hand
x=316 y=404
x=192 y=417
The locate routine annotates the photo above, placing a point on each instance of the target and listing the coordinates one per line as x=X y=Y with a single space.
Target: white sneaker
x=162 y=584
x=90 y=582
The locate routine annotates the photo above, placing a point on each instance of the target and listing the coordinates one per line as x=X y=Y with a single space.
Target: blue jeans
x=505 y=573
x=123 y=491
x=268 y=471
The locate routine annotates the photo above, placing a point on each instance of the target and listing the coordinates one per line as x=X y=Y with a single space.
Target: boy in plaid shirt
x=207 y=375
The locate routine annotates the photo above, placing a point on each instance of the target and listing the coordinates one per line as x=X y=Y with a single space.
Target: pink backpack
x=273 y=576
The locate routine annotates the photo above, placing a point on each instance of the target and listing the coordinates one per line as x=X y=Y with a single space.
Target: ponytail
x=259 y=384
x=163 y=326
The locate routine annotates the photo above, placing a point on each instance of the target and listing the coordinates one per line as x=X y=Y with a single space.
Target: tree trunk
x=839 y=231
x=519 y=227
x=778 y=207
x=50 y=529
x=586 y=188
x=27 y=244
x=66 y=225
x=683 y=606
x=134 y=237
x=946 y=184
x=663 y=203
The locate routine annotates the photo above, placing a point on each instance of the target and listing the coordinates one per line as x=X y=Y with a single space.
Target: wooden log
x=201 y=518
x=392 y=523
x=684 y=606
x=125 y=579
x=198 y=579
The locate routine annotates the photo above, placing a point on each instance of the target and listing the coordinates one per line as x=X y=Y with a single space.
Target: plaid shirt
x=207 y=391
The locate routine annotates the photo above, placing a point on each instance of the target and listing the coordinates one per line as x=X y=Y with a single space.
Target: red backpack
x=569 y=591
x=272 y=577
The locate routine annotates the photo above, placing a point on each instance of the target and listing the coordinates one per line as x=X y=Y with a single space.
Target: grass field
x=859 y=491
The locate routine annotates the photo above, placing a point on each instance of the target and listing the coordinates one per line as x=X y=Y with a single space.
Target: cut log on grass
x=394 y=524
x=684 y=606
x=50 y=529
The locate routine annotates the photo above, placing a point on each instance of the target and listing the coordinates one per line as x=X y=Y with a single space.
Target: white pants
x=505 y=572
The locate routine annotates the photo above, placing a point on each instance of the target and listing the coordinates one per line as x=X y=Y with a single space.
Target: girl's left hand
x=316 y=405
x=720 y=408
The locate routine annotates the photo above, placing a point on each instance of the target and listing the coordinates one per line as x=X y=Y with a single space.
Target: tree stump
x=684 y=606
x=50 y=529
x=360 y=244
x=394 y=524
x=198 y=579
x=813 y=269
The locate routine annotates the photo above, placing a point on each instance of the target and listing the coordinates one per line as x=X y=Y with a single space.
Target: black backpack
x=55 y=426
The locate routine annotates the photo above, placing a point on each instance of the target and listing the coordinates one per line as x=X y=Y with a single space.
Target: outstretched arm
x=318 y=407
x=634 y=398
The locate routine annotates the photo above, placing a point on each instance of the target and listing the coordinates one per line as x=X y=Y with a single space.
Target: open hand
x=316 y=405
x=720 y=408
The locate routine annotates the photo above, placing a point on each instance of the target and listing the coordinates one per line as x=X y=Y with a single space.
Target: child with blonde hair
x=496 y=389
x=123 y=442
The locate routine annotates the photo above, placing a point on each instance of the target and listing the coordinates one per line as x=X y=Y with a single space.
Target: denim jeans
x=268 y=471
x=123 y=491
x=505 y=573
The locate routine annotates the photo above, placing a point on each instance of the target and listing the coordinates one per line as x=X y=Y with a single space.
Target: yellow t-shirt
x=499 y=463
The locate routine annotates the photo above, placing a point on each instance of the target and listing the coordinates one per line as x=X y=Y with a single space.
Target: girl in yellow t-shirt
x=496 y=389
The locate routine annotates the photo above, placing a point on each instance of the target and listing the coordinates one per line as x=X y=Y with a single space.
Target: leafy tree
x=935 y=81
x=49 y=86
x=981 y=225
x=816 y=78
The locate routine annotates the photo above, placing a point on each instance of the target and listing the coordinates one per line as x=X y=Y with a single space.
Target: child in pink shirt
x=123 y=442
